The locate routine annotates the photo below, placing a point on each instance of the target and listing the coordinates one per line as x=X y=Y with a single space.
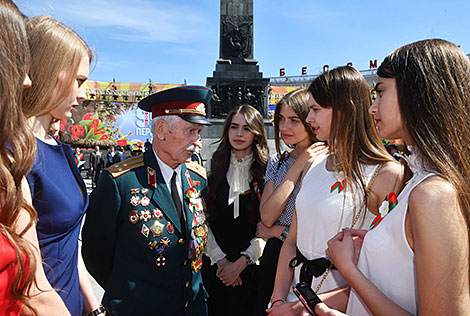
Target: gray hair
x=171 y=120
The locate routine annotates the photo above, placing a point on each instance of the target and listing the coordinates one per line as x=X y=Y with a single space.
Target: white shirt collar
x=167 y=171
x=238 y=178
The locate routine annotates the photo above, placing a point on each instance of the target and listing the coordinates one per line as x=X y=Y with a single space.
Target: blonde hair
x=56 y=50
x=17 y=145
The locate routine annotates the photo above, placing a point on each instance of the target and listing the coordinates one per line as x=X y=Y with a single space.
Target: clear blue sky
x=173 y=40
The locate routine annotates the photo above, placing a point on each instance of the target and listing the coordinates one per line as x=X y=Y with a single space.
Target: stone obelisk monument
x=236 y=79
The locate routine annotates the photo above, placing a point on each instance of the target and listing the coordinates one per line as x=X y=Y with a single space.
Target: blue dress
x=59 y=196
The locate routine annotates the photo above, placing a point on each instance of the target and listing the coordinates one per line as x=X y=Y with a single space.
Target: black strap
x=310 y=268
x=176 y=199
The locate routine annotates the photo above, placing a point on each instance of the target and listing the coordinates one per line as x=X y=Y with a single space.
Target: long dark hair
x=296 y=100
x=433 y=87
x=17 y=145
x=221 y=158
x=353 y=137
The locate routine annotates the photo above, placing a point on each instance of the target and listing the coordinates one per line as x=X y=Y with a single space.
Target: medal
x=135 y=200
x=161 y=261
x=144 y=191
x=165 y=242
x=152 y=244
x=160 y=251
x=157 y=214
x=135 y=191
x=145 y=201
x=145 y=230
x=145 y=215
x=157 y=229
x=170 y=228
x=133 y=217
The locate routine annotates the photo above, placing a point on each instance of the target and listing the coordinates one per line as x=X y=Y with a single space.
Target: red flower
x=77 y=131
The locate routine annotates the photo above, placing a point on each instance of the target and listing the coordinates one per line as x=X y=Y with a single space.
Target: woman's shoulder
x=433 y=193
x=391 y=169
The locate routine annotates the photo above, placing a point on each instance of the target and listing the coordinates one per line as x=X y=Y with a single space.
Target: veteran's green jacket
x=133 y=243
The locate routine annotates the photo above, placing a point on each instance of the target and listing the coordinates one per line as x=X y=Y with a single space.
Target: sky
x=176 y=41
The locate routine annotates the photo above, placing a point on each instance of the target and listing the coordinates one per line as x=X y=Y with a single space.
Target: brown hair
x=56 y=51
x=433 y=87
x=221 y=158
x=353 y=137
x=296 y=100
x=17 y=145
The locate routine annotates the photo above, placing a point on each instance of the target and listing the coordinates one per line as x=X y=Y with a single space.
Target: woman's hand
x=231 y=272
x=344 y=249
x=222 y=263
x=313 y=151
x=262 y=231
x=287 y=309
x=322 y=310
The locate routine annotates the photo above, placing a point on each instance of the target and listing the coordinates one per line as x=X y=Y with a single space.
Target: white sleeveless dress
x=386 y=258
x=320 y=216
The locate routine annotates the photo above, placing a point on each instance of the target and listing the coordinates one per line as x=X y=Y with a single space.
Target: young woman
x=236 y=177
x=59 y=67
x=342 y=189
x=282 y=183
x=416 y=260
x=24 y=288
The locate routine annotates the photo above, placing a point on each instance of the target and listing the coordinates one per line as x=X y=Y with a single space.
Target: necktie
x=176 y=199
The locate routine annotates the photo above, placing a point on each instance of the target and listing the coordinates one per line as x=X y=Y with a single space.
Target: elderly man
x=145 y=229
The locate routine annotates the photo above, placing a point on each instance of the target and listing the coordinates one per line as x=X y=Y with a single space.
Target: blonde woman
x=60 y=65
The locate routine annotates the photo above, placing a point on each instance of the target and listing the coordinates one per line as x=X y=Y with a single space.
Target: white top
x=167 y=173
x=386 y=258
x=320 y=216
x=238 y=178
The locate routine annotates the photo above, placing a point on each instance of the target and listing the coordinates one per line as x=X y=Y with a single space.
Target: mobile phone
x=307 y=296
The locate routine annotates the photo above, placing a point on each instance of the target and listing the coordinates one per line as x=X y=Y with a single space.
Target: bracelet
x=96 y=312
x=279 y=300
x=248 y=259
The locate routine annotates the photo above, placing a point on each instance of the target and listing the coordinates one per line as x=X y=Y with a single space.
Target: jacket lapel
x=161 y=196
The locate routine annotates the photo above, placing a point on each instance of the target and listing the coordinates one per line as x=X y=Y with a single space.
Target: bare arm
x=273 y=200
x=284 y=275
x=90 y=303
x=44 y=298
x=439 y=238
x=437 y=232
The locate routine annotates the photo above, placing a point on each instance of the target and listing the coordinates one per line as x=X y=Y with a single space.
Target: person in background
x=119 y=155
x=96 y=162
x=145 y=229
x=282 y=183
x=342 y=189
x=147 y=145
x=196 y=156
x=109 y=156
x=236 y=178
x=416 y=259
x=78 y=157
x=60 y=65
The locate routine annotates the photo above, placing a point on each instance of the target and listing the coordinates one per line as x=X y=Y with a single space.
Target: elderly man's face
x=180 y=141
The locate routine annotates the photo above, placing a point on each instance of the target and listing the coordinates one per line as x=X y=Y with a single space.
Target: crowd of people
x=166 y=233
